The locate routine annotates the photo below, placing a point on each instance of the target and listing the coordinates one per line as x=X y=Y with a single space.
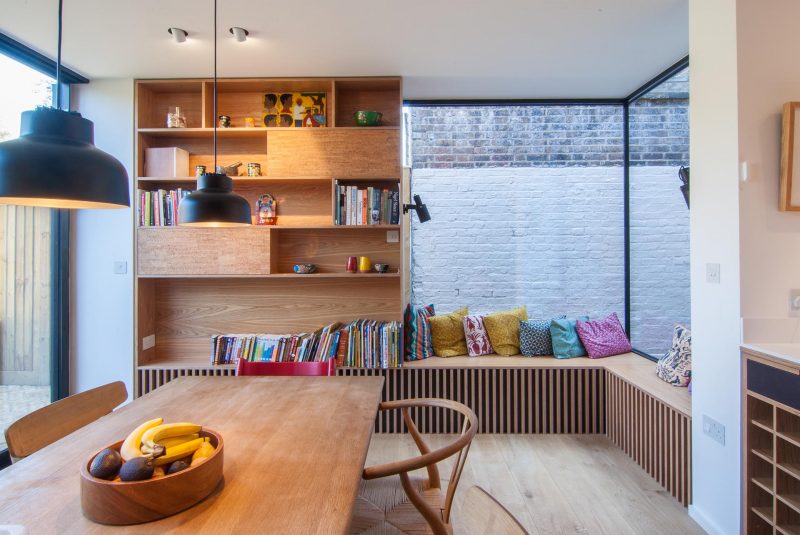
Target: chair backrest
x=244 y=367
x=438 y=520
x=481 y=513
x=42 y=427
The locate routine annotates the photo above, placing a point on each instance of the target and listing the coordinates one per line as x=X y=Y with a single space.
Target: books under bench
x=360 y=344
x=159 y=208
x=367 y=205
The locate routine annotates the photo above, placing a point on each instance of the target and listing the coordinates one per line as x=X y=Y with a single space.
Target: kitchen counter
x=787 y=352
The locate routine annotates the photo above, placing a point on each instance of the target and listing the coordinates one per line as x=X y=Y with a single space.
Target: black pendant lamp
x=54 y=162
x=214 y=204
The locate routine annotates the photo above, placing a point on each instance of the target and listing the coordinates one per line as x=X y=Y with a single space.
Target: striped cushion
x=417 y=335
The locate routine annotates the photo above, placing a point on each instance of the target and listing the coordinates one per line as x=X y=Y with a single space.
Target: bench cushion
x=566 y=342
x=534 y=337
x=447 y=333
x=503 y=329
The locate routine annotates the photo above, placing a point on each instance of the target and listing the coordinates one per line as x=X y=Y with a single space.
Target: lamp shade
x=214 y=204
x=55 y=164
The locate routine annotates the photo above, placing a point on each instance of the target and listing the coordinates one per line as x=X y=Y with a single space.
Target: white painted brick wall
x=552 y=239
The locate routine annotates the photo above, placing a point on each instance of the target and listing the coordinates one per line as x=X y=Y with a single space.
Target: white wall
x=715 y=238
x=769 y=75
x=101 y=303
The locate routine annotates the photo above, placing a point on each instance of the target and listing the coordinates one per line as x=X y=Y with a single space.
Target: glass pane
x=25 y=268
x=659 y=216
x=526 y=205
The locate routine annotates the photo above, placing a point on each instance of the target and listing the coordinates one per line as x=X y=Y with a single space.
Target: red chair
x=296 y=369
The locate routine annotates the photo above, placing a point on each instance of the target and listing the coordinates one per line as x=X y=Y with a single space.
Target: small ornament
x=267 y=210
x=224 y=121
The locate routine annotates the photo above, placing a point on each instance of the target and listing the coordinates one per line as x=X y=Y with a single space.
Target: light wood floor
x=558 y=484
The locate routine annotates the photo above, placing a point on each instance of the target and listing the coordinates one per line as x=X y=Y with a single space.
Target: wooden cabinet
x=192 y=283
x=771 y=445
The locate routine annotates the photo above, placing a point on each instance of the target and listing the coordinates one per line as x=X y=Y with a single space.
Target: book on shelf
x=159 y=208
x=367 y=205
x=360 y=343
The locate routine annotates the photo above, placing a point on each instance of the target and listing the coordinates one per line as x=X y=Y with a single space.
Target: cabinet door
x=175 y=251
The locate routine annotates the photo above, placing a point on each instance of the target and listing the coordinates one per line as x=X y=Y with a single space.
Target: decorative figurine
x=266 y=210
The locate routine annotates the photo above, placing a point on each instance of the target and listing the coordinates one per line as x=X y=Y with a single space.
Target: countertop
x=787 y=352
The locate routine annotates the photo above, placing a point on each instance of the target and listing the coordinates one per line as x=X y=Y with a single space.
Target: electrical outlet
x=794 y=302
x=712 y=273
x=120 y=267
x=713 y=429
x=148 y=342
x=392 y=236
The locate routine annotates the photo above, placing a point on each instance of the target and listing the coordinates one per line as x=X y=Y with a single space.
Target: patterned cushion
x=534 y=337
x=477 y=338
x=503 y=329
x=566 y=343
x=675 y=367
x=447 y=333
x=604 y=337
x=417 y=332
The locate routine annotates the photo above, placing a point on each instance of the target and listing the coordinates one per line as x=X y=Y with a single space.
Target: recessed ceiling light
x=178 y=34
x=240 y=34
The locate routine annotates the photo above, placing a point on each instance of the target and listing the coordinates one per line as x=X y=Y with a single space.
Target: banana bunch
x=165 y=443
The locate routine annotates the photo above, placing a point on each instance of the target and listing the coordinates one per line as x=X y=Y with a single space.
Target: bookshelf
x=191 y=283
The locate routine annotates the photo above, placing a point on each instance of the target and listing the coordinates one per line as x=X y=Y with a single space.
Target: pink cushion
x=604 y=337
x=477 y=338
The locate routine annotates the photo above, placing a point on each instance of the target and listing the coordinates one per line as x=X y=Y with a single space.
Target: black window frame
x=60 y=230
x=623 y=102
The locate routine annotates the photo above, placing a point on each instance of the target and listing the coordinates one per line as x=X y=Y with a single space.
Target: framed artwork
x=295 y=110
x=790 y=159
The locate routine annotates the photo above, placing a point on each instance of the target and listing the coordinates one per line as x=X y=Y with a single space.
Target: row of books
x=159 y=208
x=367 y=205
x=361 y=343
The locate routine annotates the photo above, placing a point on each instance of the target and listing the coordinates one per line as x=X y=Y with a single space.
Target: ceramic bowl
x=368 y=118
x=381 y=268
x=133 y=502
x=305 y=269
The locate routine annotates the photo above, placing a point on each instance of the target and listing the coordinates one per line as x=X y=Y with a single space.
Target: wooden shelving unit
x=772 y=464
x=192 y=283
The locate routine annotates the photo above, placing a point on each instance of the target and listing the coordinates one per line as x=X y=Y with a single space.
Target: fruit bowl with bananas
x=158 y=470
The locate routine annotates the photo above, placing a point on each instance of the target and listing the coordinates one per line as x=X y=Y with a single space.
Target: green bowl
x=368 y=118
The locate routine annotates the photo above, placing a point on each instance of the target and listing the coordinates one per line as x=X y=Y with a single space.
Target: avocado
x=137 y=469
x=177 y=466
x=106 y=464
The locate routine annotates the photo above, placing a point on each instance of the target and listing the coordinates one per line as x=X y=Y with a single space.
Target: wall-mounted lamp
x=240 y=34
x=421 y=209
x=178 y=34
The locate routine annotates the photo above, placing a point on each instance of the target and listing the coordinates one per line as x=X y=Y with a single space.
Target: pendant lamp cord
x=58 y=56
x=215 y=86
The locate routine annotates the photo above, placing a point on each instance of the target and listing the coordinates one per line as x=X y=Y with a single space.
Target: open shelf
x=311 y=276
x=236 y=179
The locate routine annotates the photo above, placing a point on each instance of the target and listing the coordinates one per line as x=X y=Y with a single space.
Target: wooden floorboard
x=557 y=484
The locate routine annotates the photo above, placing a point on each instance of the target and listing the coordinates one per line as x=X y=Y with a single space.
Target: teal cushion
x=566 y=343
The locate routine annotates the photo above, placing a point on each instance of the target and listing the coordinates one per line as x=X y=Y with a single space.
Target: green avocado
x=137 y=469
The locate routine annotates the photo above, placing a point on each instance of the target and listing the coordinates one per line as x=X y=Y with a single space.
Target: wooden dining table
x=294 y=453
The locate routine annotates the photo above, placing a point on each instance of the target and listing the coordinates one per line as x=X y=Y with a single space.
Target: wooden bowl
x=134 y=502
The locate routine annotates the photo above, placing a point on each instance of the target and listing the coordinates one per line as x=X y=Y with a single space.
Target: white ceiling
x=443 y=48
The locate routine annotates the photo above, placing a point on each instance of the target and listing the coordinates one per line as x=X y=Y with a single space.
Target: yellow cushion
x=503 y=330
x=447 y=333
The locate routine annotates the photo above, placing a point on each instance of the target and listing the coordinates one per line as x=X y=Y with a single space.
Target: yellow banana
x=130 y=447
x=158 y=433
x=203 y=452
x=178 y=452
x=174 y=441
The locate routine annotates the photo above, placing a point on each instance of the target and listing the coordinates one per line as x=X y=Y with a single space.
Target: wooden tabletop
x=294 y=451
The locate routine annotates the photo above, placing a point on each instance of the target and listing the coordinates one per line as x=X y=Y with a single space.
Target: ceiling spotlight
x=240 y=34
x=178 y=34
x=421 y=209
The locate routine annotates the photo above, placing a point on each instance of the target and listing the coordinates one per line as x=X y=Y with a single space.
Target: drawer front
x=774 y=383
x=175 y=251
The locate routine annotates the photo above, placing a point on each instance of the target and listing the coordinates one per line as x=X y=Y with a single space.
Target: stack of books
x=159 y=208
x=361 y=343
x=367 y=205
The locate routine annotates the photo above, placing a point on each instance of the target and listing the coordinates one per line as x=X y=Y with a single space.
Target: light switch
x=120 y=268
x=392 y=236
x=712 y=273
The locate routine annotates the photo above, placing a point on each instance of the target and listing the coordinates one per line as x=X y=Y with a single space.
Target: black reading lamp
x=422 y=210
x=214 y=204
x=54 y=162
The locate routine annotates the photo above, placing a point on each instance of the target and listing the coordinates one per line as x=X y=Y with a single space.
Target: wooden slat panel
x=356 y=153
x=197 y=251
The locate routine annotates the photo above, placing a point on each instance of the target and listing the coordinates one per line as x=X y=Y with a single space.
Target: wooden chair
x=42 y=427
x=390 y=499
x=482 y=514
x=296 y=369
